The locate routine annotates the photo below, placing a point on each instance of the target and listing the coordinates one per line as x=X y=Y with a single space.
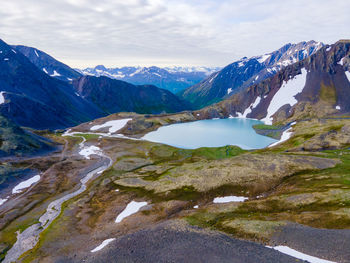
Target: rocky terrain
x=246 y=72
x=107 y=195
x=291 y=186
x=312 y=88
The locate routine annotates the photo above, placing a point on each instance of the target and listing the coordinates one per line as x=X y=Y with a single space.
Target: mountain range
x=246 y=72
x=317 y=86
x=33 y=97
x=40 y=92
x=174 y=79
x=102 y=192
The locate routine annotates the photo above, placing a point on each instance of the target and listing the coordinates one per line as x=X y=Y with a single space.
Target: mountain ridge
x=324 y=80
x=173 y=79
x=47 y=63
x=245 y=72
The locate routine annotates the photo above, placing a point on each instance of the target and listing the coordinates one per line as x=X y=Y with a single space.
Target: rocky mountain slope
x=48 y=64
x=173 y=79
x=32 y=98
x=115 y=96
x=317 y=86
x=246 y=72
x=15 y=141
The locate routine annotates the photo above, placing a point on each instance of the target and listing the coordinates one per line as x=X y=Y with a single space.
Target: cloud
x=164 y=32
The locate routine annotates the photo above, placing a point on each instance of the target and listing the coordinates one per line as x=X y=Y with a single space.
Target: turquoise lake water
x=211 y=133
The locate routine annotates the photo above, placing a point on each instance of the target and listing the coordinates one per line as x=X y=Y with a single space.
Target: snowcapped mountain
x=173 y=79
x=246 y=72
x=317 y=86
x=48 y=64
x=32 y=98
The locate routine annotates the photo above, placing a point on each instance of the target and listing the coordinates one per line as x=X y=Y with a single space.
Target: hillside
x=15 y=141
x=32 y=98
x=119 y=96
x=314 y=87
x=48 y=64
x=246 y=72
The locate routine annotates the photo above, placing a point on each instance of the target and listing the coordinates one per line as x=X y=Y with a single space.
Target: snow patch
x=132 y=208
x=136 y=72
x=44 y=69
x=228 y=199
x=294 y=253
x=241 y=64
x=211 y=80
x=286 y=95
x=229 y=91
x=196 y=207
x=264 y=58
x=6 y=59
x=347 y=73
x=249 y=109
x=2 y=201
x=256 y=77
x=103 y=244
x=338 y=107
x=55 y=74
x=328 y=48
x=341 y=62
x=87 y=151
x=114 y=125
x=2 y=98
x=285 y=136
x=25 y=184
x=14 y=51
x=36 y=53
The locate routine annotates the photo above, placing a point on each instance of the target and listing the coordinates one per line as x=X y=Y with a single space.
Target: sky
x=84 y=33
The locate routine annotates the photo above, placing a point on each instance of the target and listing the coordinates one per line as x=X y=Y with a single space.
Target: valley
x=288 y=188
x=101 y=190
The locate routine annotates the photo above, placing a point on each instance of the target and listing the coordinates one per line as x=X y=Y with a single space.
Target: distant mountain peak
x=174 y=78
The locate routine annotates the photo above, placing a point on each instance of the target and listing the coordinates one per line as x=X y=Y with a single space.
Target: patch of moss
x=218 y=153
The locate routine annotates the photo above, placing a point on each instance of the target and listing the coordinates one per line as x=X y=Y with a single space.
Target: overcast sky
x=85 y=33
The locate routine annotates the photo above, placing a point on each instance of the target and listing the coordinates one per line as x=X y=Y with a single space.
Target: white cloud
x=163 y=32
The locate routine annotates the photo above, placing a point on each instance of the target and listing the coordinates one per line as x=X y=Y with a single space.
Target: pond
x=211 y=133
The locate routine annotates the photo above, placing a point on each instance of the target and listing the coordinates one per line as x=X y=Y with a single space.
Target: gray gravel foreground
x=330 y=244
x=176 y=242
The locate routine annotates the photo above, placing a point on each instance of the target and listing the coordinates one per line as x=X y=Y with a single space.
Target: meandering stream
x=30 y=236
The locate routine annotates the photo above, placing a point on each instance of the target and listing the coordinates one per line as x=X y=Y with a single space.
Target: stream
x=28 y=239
